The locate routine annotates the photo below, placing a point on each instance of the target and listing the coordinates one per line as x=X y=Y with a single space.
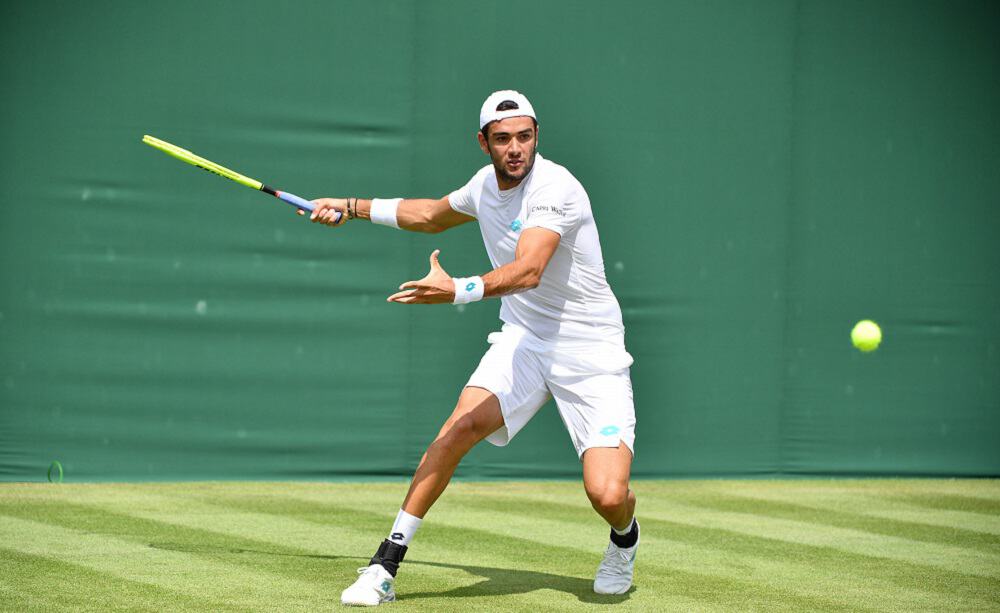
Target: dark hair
x=506 y=105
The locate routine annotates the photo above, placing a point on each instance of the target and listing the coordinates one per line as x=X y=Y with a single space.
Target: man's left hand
x=436 y=288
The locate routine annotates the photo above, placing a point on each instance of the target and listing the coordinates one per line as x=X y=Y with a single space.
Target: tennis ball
x=866 y=335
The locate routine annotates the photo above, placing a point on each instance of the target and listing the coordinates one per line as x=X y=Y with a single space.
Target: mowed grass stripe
x=923 y=529
x=45 y=584
x=296 y=550
x=219 y=583
x=253 y=516
x=263 y=512
x=946 y=493
x=955 y=502
x=808 y=570
x=891 y=506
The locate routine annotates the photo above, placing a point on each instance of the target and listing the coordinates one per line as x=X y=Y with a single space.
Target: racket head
x=195 y=160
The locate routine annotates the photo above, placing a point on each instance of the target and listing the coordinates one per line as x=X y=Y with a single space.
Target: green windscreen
x=763 y=175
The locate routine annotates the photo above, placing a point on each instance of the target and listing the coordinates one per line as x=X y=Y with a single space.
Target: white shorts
x=592 y=389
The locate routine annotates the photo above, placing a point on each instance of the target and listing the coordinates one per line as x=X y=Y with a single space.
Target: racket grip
x=295 y=201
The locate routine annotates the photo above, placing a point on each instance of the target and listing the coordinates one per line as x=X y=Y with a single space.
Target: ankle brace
x=629 y=539
x=389 y=555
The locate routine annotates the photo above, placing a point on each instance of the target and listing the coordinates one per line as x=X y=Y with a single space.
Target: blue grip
x=295 y=201
x=301 y=203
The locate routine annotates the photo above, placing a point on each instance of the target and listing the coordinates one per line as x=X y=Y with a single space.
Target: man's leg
x=476 y=416
x=606 y=479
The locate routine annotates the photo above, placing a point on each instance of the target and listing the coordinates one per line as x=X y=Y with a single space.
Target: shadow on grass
x=504 y=581
x=496 y=581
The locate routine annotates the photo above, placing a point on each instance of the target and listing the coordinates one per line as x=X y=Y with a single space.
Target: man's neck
x=505 y=185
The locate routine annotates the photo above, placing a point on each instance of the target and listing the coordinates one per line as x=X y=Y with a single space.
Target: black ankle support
x=626 y=540
x=389 y=555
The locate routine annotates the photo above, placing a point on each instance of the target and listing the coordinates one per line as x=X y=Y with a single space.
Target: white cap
x=490 y=113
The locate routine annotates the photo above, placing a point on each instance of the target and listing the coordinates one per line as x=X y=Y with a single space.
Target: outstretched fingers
x=436 y=287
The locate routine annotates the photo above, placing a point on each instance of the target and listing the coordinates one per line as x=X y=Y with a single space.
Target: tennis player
x=562 y=333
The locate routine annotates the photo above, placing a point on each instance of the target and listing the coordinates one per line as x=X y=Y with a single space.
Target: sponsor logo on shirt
x=516 y=225
x=548 y=208
x=609 y=430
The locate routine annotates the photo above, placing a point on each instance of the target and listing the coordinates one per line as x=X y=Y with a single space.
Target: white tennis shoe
x=614 y=575
x=372 y=588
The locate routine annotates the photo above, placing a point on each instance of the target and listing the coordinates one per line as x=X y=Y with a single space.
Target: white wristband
x=468 y=289
x=383 y=211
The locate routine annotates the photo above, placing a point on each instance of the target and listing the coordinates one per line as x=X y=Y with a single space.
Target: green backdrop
x=763 y=174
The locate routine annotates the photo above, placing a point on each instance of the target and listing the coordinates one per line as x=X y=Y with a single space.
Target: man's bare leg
x=606 y=473
x=606 y=478
x=476 y=416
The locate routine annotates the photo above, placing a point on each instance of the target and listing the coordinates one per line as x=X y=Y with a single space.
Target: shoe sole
x=365 y=604
x=624 y=591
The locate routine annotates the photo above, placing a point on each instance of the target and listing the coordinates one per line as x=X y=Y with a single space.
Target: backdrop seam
x=790 y=246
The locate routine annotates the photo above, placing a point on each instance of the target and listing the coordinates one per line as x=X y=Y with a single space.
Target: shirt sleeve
x=553 y=207
x=461 y=200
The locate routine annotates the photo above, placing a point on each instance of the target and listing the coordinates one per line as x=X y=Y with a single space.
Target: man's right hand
x=326 y=211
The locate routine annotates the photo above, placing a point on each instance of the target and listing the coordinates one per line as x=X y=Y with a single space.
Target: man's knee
x=463 y=432
x=476 y=416
x=608 y=496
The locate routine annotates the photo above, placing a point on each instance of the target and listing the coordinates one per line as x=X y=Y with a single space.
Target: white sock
x=404 y=528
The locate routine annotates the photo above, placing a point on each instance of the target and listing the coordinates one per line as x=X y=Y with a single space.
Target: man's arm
x=414 y=214
x=534 y=250
x=531 y=256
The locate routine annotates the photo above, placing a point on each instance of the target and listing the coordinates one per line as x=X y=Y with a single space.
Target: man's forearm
x=412 y=214
x=517 y=276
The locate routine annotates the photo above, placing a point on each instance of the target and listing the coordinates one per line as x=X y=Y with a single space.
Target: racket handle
x=295 y=201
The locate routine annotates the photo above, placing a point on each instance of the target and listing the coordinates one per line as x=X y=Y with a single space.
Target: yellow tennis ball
x=866 y=335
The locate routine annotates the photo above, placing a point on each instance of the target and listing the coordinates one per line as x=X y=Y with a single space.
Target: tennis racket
x=186 y=156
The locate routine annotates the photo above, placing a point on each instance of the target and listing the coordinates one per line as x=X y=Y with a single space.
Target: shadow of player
x=505 y=581
x=496 y=581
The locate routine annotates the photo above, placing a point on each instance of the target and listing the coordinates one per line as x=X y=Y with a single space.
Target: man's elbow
x=532 y=278
x=428 y=224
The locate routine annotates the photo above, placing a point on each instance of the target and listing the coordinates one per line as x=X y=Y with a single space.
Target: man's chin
x=516 y=175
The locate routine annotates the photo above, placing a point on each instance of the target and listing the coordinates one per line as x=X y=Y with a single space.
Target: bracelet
x=468 y=289
x=383 y=211
x=352 y=208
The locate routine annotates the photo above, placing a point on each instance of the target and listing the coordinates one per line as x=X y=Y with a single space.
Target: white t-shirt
x=573 y=308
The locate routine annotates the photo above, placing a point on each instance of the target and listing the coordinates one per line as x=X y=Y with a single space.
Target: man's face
x=511 y=146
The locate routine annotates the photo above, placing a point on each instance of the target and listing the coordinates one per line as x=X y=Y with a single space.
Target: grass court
x=834 y=545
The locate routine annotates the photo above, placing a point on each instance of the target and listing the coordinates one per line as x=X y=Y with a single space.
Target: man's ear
x=482 y=143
